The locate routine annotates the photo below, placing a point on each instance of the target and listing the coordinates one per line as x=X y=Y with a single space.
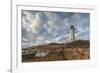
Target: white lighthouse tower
x=72 y=33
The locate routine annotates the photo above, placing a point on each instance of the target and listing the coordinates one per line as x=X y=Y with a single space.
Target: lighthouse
x=72 y=33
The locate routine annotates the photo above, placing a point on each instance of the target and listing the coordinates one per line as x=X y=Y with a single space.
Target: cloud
x=40 y=27
x=36 y=23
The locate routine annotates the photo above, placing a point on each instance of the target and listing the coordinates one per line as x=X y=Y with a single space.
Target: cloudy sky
x=39 y=27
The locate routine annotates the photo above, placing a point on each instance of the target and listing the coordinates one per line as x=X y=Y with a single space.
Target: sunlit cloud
x=36 y=22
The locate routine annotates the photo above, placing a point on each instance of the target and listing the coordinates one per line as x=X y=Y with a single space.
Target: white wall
x=5 y=34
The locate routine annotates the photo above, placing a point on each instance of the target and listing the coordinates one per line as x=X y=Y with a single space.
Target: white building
x=72 y=33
